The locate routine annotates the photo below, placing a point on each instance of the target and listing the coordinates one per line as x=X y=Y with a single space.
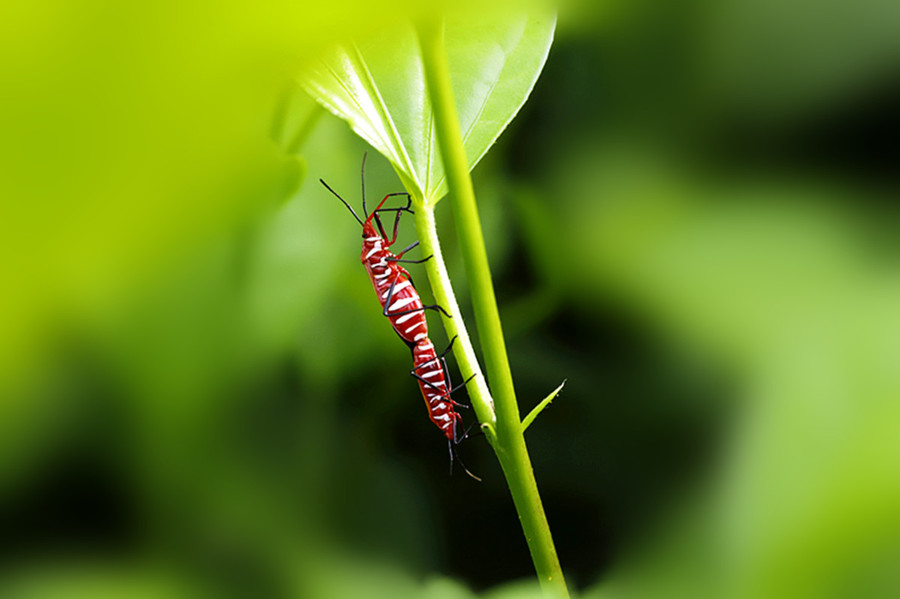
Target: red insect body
x=401 y=303
x=392 y=282
x=429 y=371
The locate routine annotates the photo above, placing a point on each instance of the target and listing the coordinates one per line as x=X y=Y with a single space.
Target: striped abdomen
x=433 y=383
x=391 y=282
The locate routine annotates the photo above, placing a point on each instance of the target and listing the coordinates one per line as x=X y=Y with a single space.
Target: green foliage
x=399 y=92
x=694 y=227
x=378 y=86
x=535 y=412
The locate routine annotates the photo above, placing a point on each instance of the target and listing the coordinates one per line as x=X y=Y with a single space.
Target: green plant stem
x=509 y=442
x=444 y=296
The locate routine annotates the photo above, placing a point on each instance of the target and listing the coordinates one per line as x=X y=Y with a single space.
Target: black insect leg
x=426 y=381
x=379 y=225
x=422 y=309
x=444 y=353
x=450 y=449
x=390 y=295
x=458 y=387
x=444 y=396
x=466 y=434
x=454 y=455
x=411 y=246
x=426 y=259
x=435 y=361
x=449 y=346
x=396 y=217
x=449 y=382
x=447 y=370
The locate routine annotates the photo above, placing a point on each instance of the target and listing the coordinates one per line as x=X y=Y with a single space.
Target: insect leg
x=427 y=382
x=380 y=226
x=466 y=434
x=447 y=378
x=396 y=227
x=447 y=371
x=379 y=209
x=454 y=455
x=437 y=362
x=457 y=388
x=438 y=308
x=449 y=347
x=399 y=211
x=422 y=309
x=390 y=295
x=426 y=363
x=411 y=246
x=445 y=395
x=401 y=193
x=423 y=260
x=461 y=385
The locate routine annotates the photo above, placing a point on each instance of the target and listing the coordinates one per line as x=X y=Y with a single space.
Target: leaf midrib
x=373 y=91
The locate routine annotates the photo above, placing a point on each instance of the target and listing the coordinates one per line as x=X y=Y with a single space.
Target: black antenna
x=362 y=176
x=353 y=212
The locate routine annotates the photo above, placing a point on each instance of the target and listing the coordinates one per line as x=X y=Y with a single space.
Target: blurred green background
x=693 y=220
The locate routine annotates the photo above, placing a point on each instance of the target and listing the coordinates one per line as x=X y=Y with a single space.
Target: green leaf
x=540 y=407
x=377 y=85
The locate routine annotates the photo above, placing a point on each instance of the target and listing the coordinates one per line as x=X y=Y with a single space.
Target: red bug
x=433 y=376
x=398 y=297
x=434 y=381
x=402 y=305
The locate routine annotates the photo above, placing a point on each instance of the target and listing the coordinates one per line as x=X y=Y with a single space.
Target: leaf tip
x=543 y=404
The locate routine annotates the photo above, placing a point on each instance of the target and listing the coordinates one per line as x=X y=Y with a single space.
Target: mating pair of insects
x=401 y=304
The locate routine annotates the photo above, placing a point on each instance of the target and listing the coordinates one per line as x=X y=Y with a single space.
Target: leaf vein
x=385 y=115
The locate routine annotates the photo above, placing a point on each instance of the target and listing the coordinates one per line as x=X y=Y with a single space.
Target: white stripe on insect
x=402 y=303
x=401 y=285
x=428 y=363
x=415 y=326
x=420 y=336
x=406 y=317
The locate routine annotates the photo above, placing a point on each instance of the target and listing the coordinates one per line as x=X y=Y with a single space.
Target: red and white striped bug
x=433 y=376
x=401 y=303
x=398 y=297
x=434 y=381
